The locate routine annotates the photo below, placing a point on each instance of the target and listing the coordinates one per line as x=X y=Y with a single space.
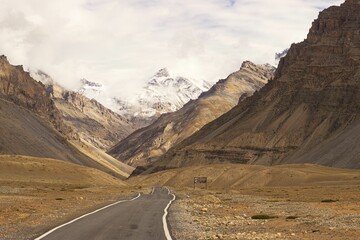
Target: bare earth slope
x=147 y=144
x=32 y=125
x=239 y=176
x=18 y=87
x=37 y=194
x=309 y=113
x=23 y=169
x=94 y=123
x=25 y=133
x=301 y=201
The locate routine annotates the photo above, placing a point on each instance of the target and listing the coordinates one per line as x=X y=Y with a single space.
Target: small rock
x=219 y=236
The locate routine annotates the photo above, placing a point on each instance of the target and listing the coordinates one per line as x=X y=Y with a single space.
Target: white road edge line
x=152 y=191
x=166 y=229
x=85 y=215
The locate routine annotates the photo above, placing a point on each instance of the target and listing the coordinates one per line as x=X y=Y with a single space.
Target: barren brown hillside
x=310 y=112
x=240 y=176
x=25 y=133
x=296 y=201
x=146 y=145
x=37 y=194
x=94 y=123
x=32 y=125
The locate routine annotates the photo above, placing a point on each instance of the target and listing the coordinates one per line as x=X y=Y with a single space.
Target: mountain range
x=146 y=145
x=309 y=112
x=33 y=124
x=95 y=124
x=163 y=93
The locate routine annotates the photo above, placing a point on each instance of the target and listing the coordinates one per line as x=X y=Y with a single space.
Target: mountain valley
x=146 y=145
x=309 y=113
x=33 y=125
x=265 y=153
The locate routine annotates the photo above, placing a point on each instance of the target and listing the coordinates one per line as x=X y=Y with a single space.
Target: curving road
x=140 y=218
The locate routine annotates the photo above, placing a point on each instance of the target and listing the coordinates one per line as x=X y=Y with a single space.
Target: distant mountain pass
x=146 y=145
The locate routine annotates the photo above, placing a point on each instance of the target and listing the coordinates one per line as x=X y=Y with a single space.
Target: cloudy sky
x=121 y=43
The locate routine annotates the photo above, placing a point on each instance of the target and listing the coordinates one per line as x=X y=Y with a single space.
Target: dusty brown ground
x=292 y=194
x=38 y=194
x=205 y=214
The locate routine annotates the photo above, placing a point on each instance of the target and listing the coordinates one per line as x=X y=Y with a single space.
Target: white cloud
x=120 y=43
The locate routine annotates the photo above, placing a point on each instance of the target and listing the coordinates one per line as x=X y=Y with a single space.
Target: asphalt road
x=140 y=219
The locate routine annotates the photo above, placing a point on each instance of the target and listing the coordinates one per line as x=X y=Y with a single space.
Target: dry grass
x=226 y=177
x=292 y=193
x=37 y=194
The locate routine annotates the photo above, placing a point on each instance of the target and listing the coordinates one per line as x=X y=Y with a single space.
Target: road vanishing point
x=140 y=218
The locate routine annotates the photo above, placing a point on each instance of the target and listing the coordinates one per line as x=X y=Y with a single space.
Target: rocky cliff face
x=146 y=145
x=18 y=87
x=310 y=112
x=31 y=123
x=94 y=123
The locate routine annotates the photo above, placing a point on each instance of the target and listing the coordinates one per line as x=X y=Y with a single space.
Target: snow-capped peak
x=87 y=83
x=163 y=93
x=90 y=89
x=40 y=76
x=162 y=73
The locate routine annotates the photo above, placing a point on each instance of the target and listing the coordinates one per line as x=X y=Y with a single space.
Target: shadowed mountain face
x=310 y=112
x=146 y=145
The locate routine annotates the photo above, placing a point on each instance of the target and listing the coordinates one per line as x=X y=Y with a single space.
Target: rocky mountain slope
x=163 y=93
x=145 y=145
x=32 y=125
x=30 y=122
x=310 y=112
x=94 y=123
x=18 y=87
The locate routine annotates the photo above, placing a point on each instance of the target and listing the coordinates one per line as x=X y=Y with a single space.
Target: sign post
x=200 y=180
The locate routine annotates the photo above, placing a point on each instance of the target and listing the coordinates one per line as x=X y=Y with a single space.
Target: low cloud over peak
x=122 y=43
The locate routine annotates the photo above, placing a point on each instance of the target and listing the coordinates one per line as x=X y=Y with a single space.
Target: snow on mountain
x=90 y=87
x=40 y=76
x=163 y=93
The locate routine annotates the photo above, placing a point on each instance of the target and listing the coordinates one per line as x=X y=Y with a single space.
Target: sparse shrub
x=329 y=201
x=263 y=216
x=292 y=217
x=59 y=199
